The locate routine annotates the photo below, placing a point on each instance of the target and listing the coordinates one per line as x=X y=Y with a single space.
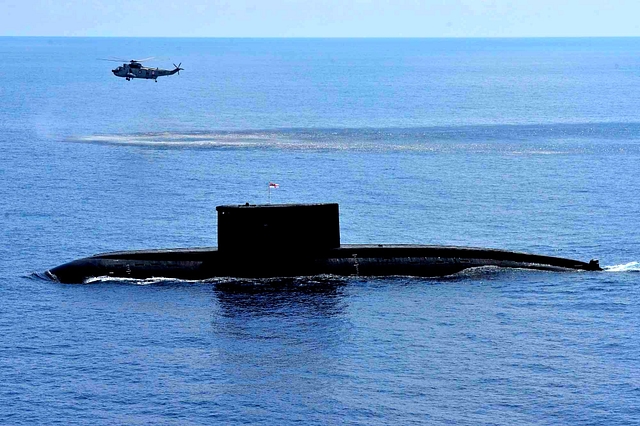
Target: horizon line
x=328 y=37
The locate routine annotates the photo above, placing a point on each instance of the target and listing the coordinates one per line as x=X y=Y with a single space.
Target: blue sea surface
x=522 y=144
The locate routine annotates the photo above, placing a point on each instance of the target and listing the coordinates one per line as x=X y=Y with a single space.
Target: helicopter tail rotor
x=178 y=67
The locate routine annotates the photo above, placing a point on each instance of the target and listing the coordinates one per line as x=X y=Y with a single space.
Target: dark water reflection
x=313 y=297
x=283 y=341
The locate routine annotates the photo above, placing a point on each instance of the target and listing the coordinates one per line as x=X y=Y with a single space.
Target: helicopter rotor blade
x=127 y=60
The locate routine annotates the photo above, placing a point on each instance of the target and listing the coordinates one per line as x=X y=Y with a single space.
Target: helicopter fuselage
x=135 y=70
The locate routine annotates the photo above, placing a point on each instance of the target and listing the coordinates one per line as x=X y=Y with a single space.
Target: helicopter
x=134 y=69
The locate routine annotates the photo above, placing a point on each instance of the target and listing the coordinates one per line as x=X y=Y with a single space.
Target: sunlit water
x=529 y=145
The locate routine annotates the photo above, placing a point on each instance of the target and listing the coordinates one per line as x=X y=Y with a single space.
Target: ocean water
x=521 y=144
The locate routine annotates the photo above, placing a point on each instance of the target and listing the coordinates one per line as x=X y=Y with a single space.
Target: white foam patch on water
x=143 y=281
x=170 y=140
x=103 y=279
x=627 y=267
x=217 y=141
x=537 y=152
x=295 y=281
x=239 y=141
x=300 y=141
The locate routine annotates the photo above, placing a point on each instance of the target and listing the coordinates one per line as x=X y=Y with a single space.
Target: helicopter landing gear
x=156 y=80
x=128 y=79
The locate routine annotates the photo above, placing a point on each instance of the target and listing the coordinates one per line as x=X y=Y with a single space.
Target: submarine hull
x=345 y=260
x=289 y=240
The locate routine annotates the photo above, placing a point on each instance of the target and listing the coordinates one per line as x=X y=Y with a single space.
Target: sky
x=320 y=18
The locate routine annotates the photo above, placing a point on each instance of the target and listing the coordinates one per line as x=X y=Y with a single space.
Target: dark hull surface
x=346 y=260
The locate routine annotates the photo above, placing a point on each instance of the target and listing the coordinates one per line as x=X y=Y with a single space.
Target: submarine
x=293 y=240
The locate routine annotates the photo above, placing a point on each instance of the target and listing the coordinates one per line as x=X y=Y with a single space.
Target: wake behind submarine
x=290 y=240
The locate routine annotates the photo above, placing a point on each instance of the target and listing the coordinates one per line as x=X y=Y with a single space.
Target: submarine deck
x=351 y=259
x=348 y=250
